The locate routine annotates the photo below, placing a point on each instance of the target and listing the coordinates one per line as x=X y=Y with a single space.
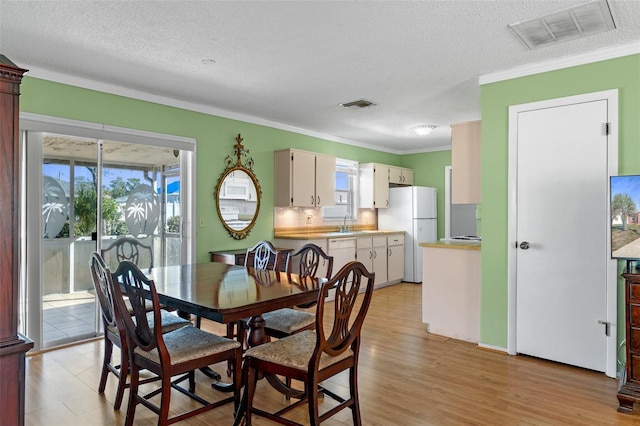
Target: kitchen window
x=346 y=193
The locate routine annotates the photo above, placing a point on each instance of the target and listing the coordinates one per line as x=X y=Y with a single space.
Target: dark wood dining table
x=228 y=293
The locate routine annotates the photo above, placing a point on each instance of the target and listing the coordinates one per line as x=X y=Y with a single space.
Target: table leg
x=256 y=334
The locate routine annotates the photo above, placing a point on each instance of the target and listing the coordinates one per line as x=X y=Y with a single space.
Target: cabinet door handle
x=318 y=201
x=389 y=252
x=370 y=254
x=312 y=198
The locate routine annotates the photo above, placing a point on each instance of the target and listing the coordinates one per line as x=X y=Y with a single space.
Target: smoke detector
x=360 y=103
x=568 y=24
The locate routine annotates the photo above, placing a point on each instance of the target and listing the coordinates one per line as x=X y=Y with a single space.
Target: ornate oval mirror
x=238 y=193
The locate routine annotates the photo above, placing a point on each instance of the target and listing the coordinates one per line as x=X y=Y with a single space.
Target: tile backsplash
x=295 y=217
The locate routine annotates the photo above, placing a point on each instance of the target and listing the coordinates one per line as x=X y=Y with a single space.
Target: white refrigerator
x=412 y=209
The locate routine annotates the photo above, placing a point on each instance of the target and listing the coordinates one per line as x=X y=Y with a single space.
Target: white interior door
x=561 y=236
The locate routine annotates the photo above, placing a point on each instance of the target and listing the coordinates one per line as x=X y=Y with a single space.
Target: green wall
x=215 y=139
x=495 y=99
x=428 y=170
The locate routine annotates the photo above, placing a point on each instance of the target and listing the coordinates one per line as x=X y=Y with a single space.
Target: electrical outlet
x=201 y=224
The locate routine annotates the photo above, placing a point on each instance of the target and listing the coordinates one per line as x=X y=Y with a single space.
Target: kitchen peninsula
x=451 y=289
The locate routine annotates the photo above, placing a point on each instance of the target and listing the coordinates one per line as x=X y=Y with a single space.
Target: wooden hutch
x=13 y=346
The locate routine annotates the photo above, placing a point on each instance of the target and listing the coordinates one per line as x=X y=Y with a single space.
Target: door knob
x=524 y=245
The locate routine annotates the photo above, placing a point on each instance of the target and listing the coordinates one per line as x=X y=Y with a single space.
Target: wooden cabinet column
x=13 y=345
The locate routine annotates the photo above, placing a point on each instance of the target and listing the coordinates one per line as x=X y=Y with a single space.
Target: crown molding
x=560 y=63
x=85 y=83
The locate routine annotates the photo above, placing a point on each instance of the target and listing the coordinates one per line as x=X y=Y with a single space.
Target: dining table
x=229 y=293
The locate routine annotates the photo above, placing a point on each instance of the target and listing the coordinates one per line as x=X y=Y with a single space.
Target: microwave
x=235 y=189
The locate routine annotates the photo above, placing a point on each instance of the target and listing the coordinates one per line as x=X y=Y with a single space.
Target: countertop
x=460 y=245
x=335 y=234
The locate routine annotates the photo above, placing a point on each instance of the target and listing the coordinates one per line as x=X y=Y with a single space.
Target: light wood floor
x=407 y=377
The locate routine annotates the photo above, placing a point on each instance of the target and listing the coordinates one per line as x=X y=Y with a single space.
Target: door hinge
x=606 y=128
x=607 y=327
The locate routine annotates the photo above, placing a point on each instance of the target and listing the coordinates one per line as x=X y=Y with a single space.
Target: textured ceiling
x=289 y=64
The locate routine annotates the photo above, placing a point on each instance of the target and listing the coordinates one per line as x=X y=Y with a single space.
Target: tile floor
x=68 y=317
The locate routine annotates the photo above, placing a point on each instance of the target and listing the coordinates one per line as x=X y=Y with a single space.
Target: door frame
x=31 y=252
x=612 y=169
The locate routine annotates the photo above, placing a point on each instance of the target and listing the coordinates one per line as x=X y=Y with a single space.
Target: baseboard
x=492 y=347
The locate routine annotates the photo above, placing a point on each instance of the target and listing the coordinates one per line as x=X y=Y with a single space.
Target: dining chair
x=115 y=335
x=262 y=256
x=176 y=353
x=305 y=261
x=313 y=356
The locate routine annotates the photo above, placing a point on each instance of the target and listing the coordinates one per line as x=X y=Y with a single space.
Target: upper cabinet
x=304 y=179
x=374 y=186
x=465 y=163
x=400 y=176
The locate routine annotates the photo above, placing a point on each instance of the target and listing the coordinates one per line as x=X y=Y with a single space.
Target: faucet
x=344 y=224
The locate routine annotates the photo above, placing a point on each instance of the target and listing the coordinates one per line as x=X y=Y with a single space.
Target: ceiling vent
x=360 y=103
x=568 y=24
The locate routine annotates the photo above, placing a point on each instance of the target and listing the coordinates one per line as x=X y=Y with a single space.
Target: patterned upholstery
x=189 y=343
x=288 y=321
x=295 y=352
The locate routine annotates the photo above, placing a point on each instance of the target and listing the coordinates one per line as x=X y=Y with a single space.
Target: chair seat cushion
x=294 y=351
x=288 y=320
x=188 y=343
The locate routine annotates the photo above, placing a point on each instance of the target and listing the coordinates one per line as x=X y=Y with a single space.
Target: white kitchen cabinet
x=304 y=179
x=372 y=253
x=400 y=176
x=343 y=251
x=374 y=186
x=395 y=258
x=465 y=163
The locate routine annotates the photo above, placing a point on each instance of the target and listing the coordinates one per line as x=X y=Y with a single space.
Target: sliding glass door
x=85 y=194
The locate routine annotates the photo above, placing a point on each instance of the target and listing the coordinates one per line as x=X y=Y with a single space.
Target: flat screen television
x=625 y=217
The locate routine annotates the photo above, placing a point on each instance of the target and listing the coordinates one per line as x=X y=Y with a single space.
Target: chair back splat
x=306 y=262
x=128 y=248
x=313 y=356
x=263 y=256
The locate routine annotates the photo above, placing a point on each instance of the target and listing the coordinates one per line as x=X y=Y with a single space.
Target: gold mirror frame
x=233 y=165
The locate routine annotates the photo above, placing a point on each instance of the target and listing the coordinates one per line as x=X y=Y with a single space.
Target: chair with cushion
x=305 y=261
x=171 y=354
x=114 y=335
x=313 y=356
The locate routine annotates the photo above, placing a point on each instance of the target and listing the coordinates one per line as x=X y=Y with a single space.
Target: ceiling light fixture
x=424 y=129
x=207 y=62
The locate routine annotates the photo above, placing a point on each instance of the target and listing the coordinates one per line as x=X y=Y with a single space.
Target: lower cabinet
x=372 y=253
x=343 y=251
x=382 y=254
x=395 y=259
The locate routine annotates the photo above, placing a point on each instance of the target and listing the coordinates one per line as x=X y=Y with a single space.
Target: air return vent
x=360 y=103
x=568 y=24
